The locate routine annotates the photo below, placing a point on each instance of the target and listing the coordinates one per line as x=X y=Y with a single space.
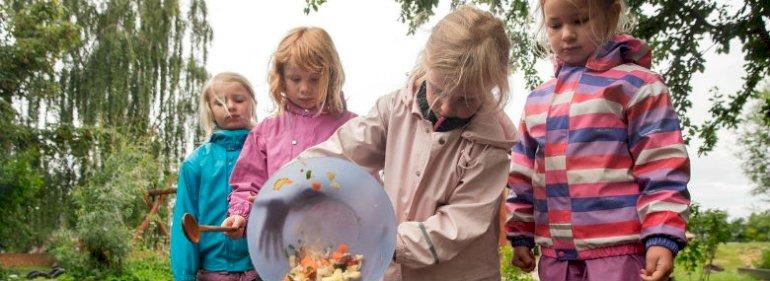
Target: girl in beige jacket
x=442 y=143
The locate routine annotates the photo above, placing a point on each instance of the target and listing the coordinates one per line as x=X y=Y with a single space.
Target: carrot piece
x=343 y=248
x=316 y=186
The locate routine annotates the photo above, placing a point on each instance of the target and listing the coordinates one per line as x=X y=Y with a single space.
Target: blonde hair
x=470 y=50
x=311 y=49
x=624 y=21
x=206 y=115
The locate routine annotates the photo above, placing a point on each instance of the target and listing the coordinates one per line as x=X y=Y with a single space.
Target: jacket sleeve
x=520 y=225
x=661 y=166
x=361 y=140
x=184 y=254
x=249 y=174
x=471 y=209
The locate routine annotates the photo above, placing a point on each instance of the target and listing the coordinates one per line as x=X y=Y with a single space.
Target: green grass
x=509 y=272
x=141 y=265
x=21 y=272
x=730 y=256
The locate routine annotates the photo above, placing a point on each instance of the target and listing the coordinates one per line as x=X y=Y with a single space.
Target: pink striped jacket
x=601 y=169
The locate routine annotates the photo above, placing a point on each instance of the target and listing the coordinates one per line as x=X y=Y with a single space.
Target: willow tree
x=137 y=69
x=680 y=32
x=75 y=75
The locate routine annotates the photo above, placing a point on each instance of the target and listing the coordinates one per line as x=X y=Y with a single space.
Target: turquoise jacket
x=202 y=191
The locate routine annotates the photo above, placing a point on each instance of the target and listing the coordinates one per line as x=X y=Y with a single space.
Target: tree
x=754 y=144
x=758 y=227
x=75 y=75
x=108 y=205
x=710 y=228
x=676 y=29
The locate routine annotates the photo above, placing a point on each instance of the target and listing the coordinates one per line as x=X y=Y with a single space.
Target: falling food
x=281 y=182
x=315 y=186
x=308 y=265
x=333 y=184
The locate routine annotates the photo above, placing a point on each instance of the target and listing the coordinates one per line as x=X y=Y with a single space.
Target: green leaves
x=77 y=75
x=107 y=208
x=676 y=30
x=754 y=143
x=710 y=228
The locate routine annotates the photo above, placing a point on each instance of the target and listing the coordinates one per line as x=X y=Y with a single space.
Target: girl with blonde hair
x=306 y=79
x=442 y=142
x=227 y=113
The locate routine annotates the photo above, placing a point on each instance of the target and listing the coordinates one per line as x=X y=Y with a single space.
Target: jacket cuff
x=663 y=241
x=522 y=241
x=242 y=209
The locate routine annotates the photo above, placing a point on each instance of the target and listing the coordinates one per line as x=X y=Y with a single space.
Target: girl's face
x=572 y=31
x=233 y=108
x=460 y=105
x=302 y=87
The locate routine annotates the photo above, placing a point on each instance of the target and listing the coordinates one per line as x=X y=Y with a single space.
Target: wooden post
x=154 y=200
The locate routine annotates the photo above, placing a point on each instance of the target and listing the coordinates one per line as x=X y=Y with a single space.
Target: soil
x=25 y=260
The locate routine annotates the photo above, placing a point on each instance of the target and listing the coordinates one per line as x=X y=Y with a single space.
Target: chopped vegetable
x=315 y=186
x=308 y=174
x=281 y=182
x=313 y=266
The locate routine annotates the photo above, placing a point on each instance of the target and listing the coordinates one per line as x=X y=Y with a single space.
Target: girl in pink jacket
x=306 y=86
x=442 y=143
x=599 y=177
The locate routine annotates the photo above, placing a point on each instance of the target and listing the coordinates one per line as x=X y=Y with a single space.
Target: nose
x=304 y=88
x=230 y=105
x=568 y=33
x=446 y=109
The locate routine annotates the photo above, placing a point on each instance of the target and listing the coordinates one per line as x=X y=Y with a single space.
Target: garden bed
x=25 y=260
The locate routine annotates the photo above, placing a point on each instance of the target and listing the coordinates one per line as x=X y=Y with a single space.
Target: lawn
x=730 y=256
x=153 y=266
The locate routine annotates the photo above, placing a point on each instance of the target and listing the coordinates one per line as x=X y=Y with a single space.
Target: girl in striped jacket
x=599 y=177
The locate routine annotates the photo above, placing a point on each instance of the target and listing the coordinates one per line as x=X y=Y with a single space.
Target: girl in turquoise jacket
x=227 y=106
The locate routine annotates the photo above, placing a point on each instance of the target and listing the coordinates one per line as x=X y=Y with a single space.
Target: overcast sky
x=376 y=54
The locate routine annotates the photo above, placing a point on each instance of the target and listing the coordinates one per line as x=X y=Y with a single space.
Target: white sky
x=376 y=54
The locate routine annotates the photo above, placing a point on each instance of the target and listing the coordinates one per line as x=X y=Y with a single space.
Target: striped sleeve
x=520 y=225
x=661 y=166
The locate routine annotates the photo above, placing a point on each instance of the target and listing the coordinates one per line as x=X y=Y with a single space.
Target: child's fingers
x=657 y=275
x=654 y=269
x=251 y=199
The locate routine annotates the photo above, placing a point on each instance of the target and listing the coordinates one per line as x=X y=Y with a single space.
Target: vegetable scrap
x=308 y=265
x=281 y=183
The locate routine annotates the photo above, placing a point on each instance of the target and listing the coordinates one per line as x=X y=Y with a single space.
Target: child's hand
x=523 y=258
x=251 y=199
x=235 y=221
x=659 y=264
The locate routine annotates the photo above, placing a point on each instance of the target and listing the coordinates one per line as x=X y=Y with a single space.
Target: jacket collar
x=493 y=128
x=229 y=139
x=621 y=49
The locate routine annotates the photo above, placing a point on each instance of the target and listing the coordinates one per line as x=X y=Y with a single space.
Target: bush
x=106 y=213
x=140 y=266
x=763 y=262
x=20 y=183
x=710 y=228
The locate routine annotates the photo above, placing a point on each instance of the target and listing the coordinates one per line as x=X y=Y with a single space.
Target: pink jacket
x=445 y=187
x=273 y=143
